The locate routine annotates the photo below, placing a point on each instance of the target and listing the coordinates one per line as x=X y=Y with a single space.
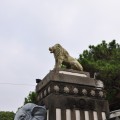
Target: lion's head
x=58 y=51
x=54 y=48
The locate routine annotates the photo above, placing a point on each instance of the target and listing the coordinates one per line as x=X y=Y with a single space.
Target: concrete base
x=72 y=95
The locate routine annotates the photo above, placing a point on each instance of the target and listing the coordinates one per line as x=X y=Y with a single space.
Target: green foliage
x=7 y=115
x=105 y=60
x=31 y=98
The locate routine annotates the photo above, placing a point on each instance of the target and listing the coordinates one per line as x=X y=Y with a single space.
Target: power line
x=16 y=84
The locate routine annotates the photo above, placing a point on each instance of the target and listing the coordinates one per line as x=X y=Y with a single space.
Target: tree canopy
x=6 y=115
x=31 y=98
x=104 y=59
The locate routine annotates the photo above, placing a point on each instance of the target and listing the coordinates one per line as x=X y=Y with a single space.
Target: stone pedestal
x=72 y=95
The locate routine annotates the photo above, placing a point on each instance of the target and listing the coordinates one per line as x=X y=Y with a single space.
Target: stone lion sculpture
x=62 y=57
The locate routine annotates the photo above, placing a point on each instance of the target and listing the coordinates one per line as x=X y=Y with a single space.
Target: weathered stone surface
x=67 y=76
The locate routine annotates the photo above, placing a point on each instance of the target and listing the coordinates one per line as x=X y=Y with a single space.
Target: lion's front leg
x=58 y=64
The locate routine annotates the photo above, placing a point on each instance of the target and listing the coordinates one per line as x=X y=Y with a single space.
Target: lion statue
x=62 y=57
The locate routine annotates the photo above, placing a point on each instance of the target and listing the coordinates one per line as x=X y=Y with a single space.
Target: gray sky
x=29 y=27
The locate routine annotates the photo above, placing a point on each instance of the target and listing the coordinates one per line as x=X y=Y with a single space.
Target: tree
x=7 y=115
x=105 y=60
x=31 y=98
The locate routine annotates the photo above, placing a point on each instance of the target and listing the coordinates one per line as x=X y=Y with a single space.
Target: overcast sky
x=29 y=27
